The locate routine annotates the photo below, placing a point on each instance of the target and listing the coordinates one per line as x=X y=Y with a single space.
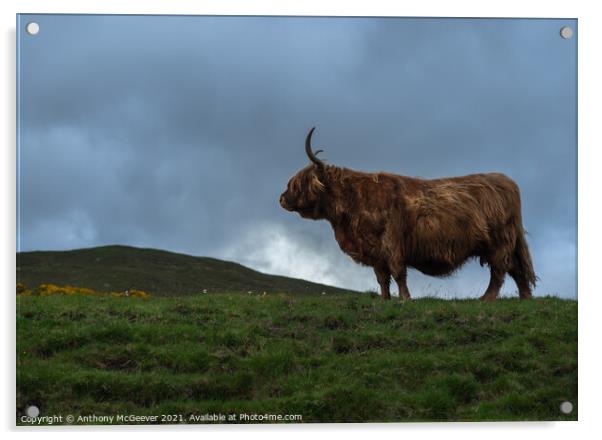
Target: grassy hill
x=117 y=268
x=332 y=358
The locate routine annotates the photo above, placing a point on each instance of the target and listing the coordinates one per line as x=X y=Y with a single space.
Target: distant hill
x=161 y=273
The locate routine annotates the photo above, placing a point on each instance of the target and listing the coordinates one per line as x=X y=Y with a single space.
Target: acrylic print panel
x=169 y=266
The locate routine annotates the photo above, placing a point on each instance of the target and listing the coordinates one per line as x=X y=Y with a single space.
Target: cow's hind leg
x=383 y=276
x=522 y=268
x=402 y=284
x=524 y=289
x=499 y=261
x=495 y=284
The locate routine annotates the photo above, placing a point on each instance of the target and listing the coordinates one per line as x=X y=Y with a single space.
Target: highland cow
x=392 y=222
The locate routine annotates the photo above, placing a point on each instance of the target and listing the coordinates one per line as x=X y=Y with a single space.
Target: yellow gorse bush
x=133 y=293
x=21 y=290
x=52 y=290
x=139 y=294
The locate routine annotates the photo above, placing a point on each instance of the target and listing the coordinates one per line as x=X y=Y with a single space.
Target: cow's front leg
x=402 y=284
x=383 y=277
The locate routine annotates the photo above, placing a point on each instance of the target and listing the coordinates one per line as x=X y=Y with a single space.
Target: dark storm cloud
x=180 y=132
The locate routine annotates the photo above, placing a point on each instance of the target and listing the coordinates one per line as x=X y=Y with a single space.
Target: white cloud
x=271 y=248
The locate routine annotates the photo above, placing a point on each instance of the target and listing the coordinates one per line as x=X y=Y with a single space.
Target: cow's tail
x=522 y=260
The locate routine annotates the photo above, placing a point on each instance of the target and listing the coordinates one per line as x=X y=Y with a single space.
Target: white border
x=590 y=101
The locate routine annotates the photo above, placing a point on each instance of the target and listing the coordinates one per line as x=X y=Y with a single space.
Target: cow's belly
x=435 y=267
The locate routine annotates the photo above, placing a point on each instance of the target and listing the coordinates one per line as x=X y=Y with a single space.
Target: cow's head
x=305 y=190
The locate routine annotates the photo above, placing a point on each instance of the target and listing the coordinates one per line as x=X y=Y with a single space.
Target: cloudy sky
x=181 y=132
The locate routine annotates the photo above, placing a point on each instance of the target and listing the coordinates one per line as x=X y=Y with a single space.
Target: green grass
x=339 y=358
x=158 y=272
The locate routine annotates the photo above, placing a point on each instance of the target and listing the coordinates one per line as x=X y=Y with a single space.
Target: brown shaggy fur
x=392 y=222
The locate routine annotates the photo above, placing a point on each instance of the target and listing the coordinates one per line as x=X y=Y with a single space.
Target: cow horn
x=310 y=154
